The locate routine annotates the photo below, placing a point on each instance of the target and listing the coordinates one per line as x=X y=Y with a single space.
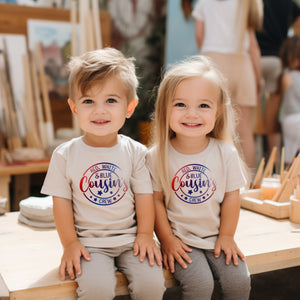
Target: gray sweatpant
x=98 y=280
x=197 y=281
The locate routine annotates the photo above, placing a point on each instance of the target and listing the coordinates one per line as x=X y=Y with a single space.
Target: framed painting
x=55 y=40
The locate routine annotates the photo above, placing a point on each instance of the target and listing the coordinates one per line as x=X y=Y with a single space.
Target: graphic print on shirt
x=103 y=184
x=193 y=184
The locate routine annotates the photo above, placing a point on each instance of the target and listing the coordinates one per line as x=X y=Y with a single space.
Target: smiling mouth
x=100 y=122
x=192 y=124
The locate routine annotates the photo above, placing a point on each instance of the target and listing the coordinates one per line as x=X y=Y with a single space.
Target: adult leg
x=98 y=280
x=196 y=280
x=272 y=124
x=145 y=282
x=271 y=69
x=234 y=280
x=246 y=135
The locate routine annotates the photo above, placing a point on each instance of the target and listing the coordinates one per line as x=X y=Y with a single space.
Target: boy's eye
x=180 y=104
x=111 y=100
x=87 y=101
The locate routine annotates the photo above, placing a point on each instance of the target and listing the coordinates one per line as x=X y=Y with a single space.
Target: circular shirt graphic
x=103 y=184
x=193 y=184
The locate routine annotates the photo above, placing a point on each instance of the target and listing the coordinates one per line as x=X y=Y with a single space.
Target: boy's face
x=102 y=111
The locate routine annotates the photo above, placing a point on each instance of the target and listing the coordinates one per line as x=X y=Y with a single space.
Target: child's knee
x=93 y=288
x=198 y=286
x=237 y=288
x=147 y=287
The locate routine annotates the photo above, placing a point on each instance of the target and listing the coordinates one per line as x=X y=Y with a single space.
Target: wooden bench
x=29 y=257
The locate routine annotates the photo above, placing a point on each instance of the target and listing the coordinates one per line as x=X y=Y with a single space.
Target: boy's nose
x=100 y=108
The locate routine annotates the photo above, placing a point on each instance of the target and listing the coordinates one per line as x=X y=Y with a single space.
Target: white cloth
x=221 y=26
x=291 y=97
x=34 y=223
x=101 y=182
x=198 y=183
x=37 y=208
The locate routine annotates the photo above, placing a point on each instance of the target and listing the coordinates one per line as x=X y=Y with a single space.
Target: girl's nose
x=191 y=112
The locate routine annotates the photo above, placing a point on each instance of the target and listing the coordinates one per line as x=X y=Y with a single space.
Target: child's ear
x=131 y=107
x=72 y=106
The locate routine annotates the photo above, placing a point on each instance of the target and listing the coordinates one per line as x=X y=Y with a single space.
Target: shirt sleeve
x=140 y=179
x=150 y=161
x=235 y=174
x=197 y=12
x=56 y=182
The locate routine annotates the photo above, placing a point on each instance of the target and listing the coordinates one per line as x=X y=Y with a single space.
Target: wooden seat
x=29 y=257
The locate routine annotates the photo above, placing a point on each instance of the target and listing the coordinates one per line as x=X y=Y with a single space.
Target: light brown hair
x=95 y=66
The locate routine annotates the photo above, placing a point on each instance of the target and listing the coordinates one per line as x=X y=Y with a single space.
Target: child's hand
x=71 y=260
x=231 y=250
x=145 y=245
x=173 y=248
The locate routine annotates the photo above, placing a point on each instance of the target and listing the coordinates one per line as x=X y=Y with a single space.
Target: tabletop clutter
x=37 y=212
x=272 y=194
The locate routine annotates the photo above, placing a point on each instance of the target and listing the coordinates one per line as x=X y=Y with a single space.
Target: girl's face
x=102 y=111
x=194 y=107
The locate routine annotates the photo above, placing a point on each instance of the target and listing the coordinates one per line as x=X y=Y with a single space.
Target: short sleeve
x=197 y=12
x=150 y=161
x=140 y=180
x=235 y=175
x=56 y=182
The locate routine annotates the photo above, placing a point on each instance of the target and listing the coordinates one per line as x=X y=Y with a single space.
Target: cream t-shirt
x=101 y=183
x=198 y=183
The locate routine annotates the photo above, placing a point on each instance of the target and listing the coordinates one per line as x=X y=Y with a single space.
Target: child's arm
x=73 y=249
x=255 y=54
x=171 y=246
x=230 y=209
x=199 y=32
x=286 y=81
x=144 y=243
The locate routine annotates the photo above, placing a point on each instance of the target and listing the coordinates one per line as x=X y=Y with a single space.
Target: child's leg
x=196 y=280
x=234 y=280
x=145 y=282
x=98 y=280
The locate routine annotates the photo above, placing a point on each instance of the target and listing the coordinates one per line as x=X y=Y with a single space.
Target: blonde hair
x=224 y=128
x=94 y=67
x=252 y=17
x=254 y=10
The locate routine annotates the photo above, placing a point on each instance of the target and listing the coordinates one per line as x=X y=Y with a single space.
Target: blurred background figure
x=289 y=91
x=279 y=15
x=225 y=31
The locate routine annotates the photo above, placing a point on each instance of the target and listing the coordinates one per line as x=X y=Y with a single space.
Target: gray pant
x=197 y=281
x=98 y=280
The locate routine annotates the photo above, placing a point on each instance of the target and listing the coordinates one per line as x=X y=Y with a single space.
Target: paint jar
x=269 y=187
x=294 y=210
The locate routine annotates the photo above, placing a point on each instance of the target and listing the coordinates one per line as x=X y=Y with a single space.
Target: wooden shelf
x=13 y=19
x=24 y=168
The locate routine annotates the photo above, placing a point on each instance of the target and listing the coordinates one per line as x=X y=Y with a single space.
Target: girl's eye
x=180 y=104
x=111 y=100
x=88 y=101
x=204 y=105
